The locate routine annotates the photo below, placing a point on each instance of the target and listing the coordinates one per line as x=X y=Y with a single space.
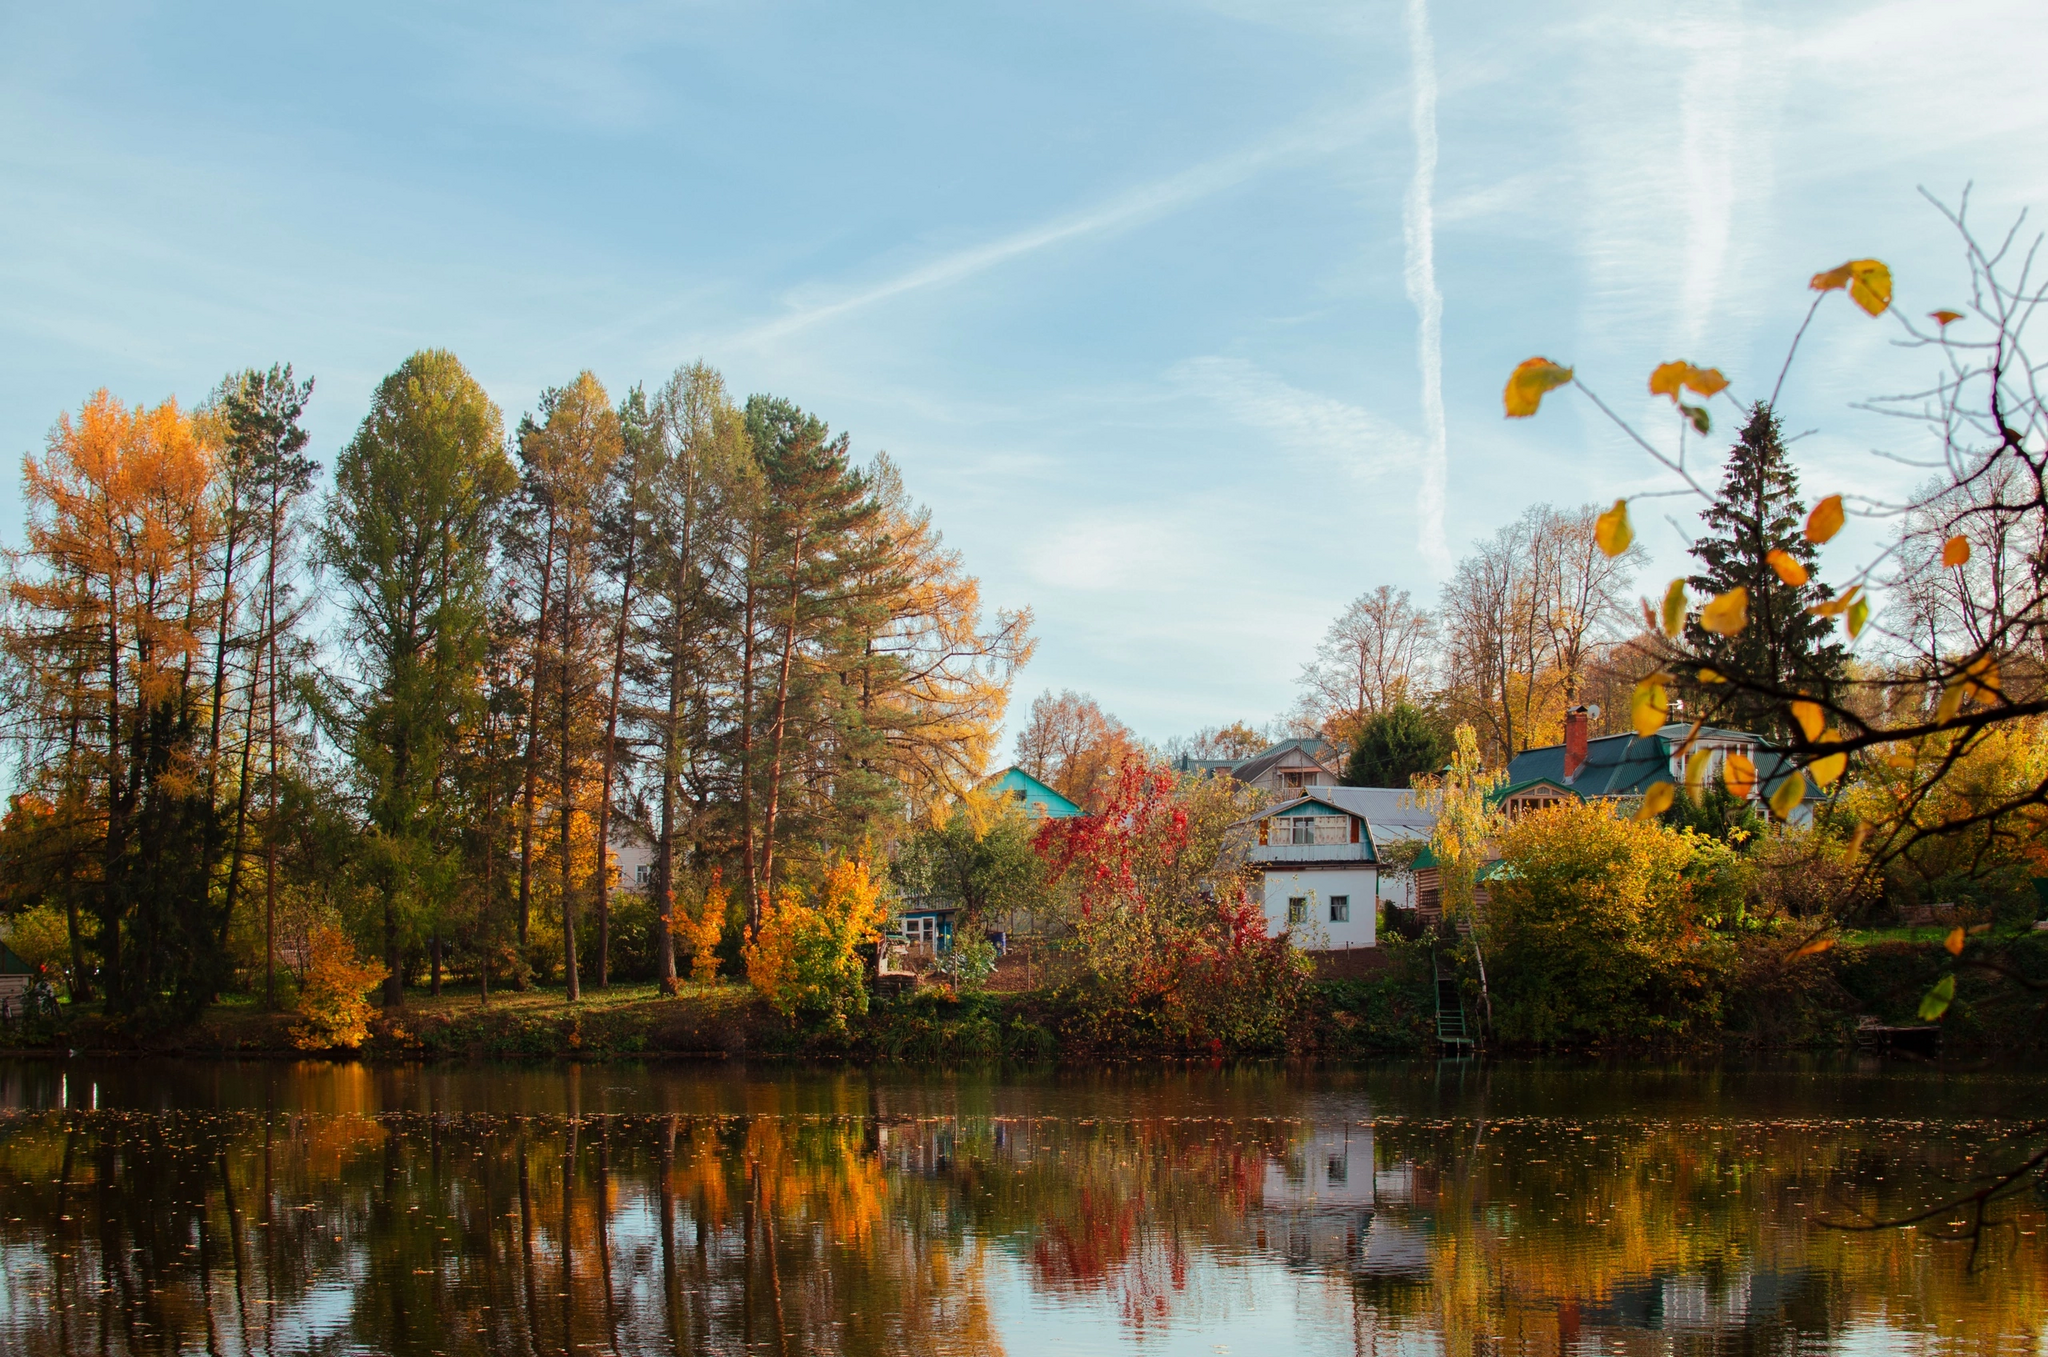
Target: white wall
x=1318 y=884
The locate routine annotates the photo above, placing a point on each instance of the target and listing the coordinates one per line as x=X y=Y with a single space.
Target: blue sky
x=1129 y=289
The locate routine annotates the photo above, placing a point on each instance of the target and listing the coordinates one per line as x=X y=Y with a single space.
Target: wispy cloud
x=1146 y=202
x=1318 y=428
x=1418 y=233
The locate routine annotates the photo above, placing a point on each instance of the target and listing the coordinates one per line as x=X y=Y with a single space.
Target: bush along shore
x=1823 y=1001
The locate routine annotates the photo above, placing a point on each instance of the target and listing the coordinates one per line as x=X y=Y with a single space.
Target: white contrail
x=1418 y=230
x=1314 y=137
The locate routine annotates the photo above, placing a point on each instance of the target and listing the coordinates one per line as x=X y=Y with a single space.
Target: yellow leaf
x=1859 y=838
x=1667 y=378
x=1674 y=608
x=1982 y=677
x=1815 y=948
x=1728 y=614
x=1825 y=771
x=1738 y=775
x=1825 y=520
x=1786 y=799
x=1812 y=720
x=1859 y=613
x=1611 y=530
x=1696 y=774
x=1943 y=317
x=1870 y=285
x=1789 y=570
x=1954 y=942
x=1706 y=381
x=1954 y=552
x=1656 y=801
x=1706 y=675
x=1528 y=383
x=1835 y=606
x=1951 y=701
x=1650 y=708
x=1835 y=277
x=1937 y=1000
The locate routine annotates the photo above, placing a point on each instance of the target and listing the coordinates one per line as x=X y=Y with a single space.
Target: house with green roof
x=1038 y=801
x=1610 y=767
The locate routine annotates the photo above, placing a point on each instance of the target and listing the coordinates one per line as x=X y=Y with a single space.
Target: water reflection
x=232 y=1208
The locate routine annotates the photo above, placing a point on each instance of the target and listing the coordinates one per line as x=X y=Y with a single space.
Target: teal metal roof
x=1629 y=765
x=1037 y=797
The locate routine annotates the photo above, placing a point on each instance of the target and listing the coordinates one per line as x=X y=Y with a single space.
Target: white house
x=1321 y=860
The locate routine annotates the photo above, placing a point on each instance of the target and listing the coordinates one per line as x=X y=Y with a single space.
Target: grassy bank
x=1815 y=1004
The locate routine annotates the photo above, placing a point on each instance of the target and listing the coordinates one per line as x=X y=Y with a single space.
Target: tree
x=1756 y=514
x=1071 y=745
x=567 y=455
x=704 y=476
x=409 y=532
x=1395 y=746
x=1153 y=912
x=804 y=954
x=977 y=852
x=804 y=551
x=111 y=612
x=1594 y=929
x=1377 y=653
x=260 y=413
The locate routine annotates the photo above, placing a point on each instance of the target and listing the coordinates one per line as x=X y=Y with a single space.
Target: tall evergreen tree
x=1784 y=647
x=409 y=531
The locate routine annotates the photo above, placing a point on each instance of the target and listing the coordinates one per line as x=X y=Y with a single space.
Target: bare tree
x=1377 y=653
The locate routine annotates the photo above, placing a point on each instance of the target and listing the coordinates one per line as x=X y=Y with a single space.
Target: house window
x=1339 y=1168
x=1298 y=780
x=1297 y=909
x=640 y=875
x=1301 y=829
x=1340 y=909
x=921 y=931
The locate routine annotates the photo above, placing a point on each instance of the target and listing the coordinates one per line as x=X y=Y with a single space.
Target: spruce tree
x=1784 y=646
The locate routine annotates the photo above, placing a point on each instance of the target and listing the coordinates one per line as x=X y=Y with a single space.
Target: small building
x=1039 y=801
x=1323 y=877
x=16 y=975
x=1288 y=768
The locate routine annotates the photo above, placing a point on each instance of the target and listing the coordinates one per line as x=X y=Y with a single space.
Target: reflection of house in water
x=1746 y=1299
x=1326 y=1205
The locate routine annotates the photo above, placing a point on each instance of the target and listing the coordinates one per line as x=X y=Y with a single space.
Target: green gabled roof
x=1502 y=793
x=1051 y=803
x=1616 y=765
x=11 y=962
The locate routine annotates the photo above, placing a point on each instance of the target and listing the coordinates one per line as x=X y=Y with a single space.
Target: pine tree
x=1784 y=647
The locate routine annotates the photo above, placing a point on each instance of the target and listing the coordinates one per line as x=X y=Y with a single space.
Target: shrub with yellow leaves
x=804 y=958
x=333 y=1014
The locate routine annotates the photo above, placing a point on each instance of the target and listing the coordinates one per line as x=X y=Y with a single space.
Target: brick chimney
x=1574 y=742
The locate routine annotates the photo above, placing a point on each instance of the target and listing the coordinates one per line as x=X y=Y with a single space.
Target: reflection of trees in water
x=842 y=1233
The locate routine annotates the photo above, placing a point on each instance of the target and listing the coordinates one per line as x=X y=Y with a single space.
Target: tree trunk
x=781 y=722
x=665 y=850
x=394 y=978
x=747 y=750
x=611 y=737
x=540 y=643
x=568 y=630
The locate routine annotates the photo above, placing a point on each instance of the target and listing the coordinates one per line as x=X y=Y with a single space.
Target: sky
x=1189 y=320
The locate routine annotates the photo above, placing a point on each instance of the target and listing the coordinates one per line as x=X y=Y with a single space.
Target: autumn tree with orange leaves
x=113 y=608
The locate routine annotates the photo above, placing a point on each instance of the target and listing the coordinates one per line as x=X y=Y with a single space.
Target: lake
x=224 y=1207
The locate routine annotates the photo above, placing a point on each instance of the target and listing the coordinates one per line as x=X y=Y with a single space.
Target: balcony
x=1310 y=852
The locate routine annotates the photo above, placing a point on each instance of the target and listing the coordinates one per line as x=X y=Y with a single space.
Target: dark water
x=234 y=1208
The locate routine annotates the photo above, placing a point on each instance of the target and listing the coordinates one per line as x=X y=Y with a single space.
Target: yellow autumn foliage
x=804 y=957
x=333 y=1014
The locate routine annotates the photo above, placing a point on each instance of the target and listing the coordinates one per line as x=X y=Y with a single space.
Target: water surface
x=169 y=1207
